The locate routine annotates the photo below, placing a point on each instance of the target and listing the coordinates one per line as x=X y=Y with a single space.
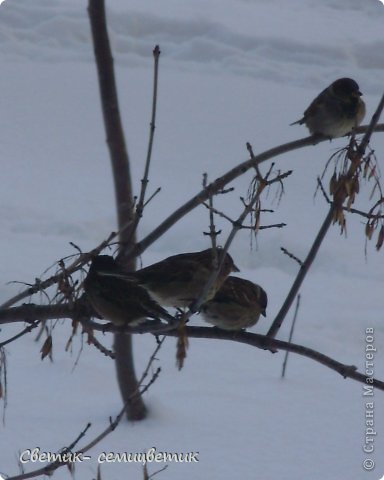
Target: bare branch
x=20 y=334
x=267 y=343
x=291 y=334
x=290 y=255
x=144 y=182
x=222 y=181
x=260 y=341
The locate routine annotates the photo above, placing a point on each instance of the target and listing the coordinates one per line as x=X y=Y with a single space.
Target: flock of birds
x=232 y=303
x=129 y=298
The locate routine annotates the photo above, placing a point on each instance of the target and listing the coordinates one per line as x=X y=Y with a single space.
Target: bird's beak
x=235 y=269
x=264 y=313
x=357 y=94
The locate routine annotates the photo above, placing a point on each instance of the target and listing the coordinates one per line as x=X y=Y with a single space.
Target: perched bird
x=118 y=299
x=236 y=305
x=336 y=111
x=178 y=280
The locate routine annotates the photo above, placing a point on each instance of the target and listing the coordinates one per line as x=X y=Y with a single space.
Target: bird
x=178 y=281
x=336 y=111
x=237 y=305
x=117 y=298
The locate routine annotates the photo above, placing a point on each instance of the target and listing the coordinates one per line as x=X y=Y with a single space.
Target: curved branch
x=266 y=343
x=78 y=312
x=201 y=197
x=222 y=181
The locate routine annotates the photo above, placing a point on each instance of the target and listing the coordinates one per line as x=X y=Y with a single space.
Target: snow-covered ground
x=231 y=72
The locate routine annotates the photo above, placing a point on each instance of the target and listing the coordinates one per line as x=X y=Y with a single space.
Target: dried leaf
x=369 y=229
x=372 y=172
x=46 y=349
x=182 y=346
x=357 y=185
x=257 y=221
x=351 y=199
x=348 y=187
x=380 y=238
x=333 y=184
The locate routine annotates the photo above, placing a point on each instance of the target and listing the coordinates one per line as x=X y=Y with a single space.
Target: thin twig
x=144 y=182
x=291 y=335
x=213 y=233
x=26 y=330
x=267 y=343
x=92 y=340
x=76 y=265
x=290 y=255
x=371 y=128
x=277 y=322
x=51 y=467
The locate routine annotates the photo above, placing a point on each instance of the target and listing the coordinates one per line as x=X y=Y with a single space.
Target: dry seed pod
x=372 y=172
x=46 y=349
x=351 y=199
x=348 y=187
x=333 y=184
x=369 y=229
x=380 y=238
x=357 y=185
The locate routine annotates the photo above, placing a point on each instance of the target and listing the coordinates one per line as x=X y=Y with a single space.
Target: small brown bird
x=336 y=111
x=237 y=304
x=178 y=280
x=117 y=298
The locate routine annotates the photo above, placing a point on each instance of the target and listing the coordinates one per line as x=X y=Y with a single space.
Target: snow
x=231 y=72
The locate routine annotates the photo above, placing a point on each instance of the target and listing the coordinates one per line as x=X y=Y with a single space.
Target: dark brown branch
x=268 y=343
x=291 y=335
x=276 y=324
x=26 y=330
x=260 y=341
x=123 y=189
x=111 y=113
x=290 y=255
x=99 y=346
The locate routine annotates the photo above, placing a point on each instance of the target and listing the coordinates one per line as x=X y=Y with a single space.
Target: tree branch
x=123 y=188
x=155 y=327
x=222 y=181
x=267 y=343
